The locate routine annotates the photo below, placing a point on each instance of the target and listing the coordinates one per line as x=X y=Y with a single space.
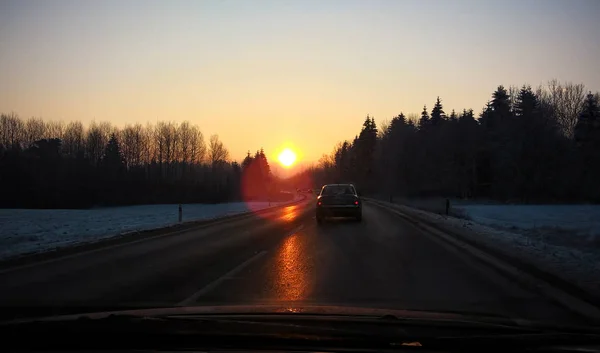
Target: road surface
x=280 y=257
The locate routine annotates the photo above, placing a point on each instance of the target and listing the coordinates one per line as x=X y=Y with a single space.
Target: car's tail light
x=356 y=202
x=319 y=203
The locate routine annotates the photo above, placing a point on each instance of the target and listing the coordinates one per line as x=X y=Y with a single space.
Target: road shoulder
x=546 y=284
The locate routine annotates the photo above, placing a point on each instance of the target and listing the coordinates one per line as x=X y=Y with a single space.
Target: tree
x=563 y=102
x=527 y=103
x=453 y=117
x=437 y=113
x=102 y=164
x=217 y=153
x=247 y=161
x=587 y=130
x=424 y=121
x=112 y=158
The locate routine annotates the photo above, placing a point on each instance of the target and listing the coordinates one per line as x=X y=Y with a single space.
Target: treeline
x=66 y=165
x=526 y=145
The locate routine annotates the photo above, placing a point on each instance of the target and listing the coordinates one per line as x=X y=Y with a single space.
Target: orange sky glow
x=277 y=74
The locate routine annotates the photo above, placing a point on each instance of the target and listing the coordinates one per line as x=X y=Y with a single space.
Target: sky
x=278 y=73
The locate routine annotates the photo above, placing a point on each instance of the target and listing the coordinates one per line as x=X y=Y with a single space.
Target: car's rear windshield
x=338 y=190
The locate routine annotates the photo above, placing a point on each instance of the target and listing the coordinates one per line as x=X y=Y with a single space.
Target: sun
x=287 y=157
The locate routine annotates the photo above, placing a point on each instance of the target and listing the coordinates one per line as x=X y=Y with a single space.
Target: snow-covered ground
x=566 y=225
x=560 y=239
x=25 y=231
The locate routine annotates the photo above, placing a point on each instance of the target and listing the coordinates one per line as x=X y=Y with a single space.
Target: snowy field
x=25 y=231
x=567 y=225
x=560 y=239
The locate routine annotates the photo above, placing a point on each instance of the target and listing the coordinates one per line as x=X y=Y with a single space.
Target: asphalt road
x=282 y=257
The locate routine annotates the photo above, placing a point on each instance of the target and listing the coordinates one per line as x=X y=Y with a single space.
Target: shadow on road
x=338 y=221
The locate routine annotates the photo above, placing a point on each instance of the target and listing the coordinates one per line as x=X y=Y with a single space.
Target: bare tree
x=513 y=95
x=96 y=140
x=414 y=118
x=73 y=139
x=217 y=151
x=383 y=127
x=148 y=146
x=130 y=147
x=185 y=142
x=565 y=102
x=12 y=129
x=35 y=129
x=167 y=140
x=55 y=129
x=198 y=146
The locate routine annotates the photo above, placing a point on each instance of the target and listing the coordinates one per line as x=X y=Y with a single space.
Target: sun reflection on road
x=292 y=269
x=290 y=213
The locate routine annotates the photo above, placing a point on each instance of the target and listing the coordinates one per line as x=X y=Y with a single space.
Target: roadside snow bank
x=559 y=239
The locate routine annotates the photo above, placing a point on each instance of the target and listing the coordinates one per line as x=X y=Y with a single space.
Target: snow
x=559 y=239
x=581 y=220
x=25 y=231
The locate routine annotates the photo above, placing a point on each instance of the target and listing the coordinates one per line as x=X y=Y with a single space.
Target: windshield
x=169 y=154
x=338 y=190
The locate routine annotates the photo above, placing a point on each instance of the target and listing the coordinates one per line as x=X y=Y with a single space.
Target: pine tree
x=527 y=103
x=437 y=113
x=453 y=117
x=501 y=103
x=112 y=162
x=112 y=157
x=247 y=161
x=587 y=130
x=424 y=122
x=467 y=117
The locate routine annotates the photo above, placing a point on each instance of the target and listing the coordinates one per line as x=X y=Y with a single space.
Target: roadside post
x=447 y=207
x=180 y=213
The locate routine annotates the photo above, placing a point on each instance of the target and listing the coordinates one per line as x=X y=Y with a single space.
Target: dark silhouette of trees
x=257 y=180
x=526 y=145
x=58 y=165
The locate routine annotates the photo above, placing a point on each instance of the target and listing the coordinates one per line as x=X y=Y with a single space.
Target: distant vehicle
x=338 y=200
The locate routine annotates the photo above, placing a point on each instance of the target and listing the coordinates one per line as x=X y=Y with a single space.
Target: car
x=338 y=200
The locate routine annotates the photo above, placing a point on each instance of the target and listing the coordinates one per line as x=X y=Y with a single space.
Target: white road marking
x=229 y=275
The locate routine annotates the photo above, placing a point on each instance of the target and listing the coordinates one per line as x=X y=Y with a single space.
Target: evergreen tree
x=437 y=113
x=453 y=117
x=247 y=161
x=527 y=103
x=587 y=130
x=424 y=121
x=501 y=103
x=112 y=157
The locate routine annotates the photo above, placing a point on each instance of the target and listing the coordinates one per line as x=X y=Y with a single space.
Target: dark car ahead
x=338 y=200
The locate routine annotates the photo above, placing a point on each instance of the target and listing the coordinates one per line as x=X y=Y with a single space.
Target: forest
x=526 y=145
x=52 y=164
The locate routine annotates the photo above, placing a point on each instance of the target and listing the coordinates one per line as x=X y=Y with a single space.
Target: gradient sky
x=272 y=73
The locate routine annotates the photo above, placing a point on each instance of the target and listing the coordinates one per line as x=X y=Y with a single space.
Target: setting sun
x=287 y=157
